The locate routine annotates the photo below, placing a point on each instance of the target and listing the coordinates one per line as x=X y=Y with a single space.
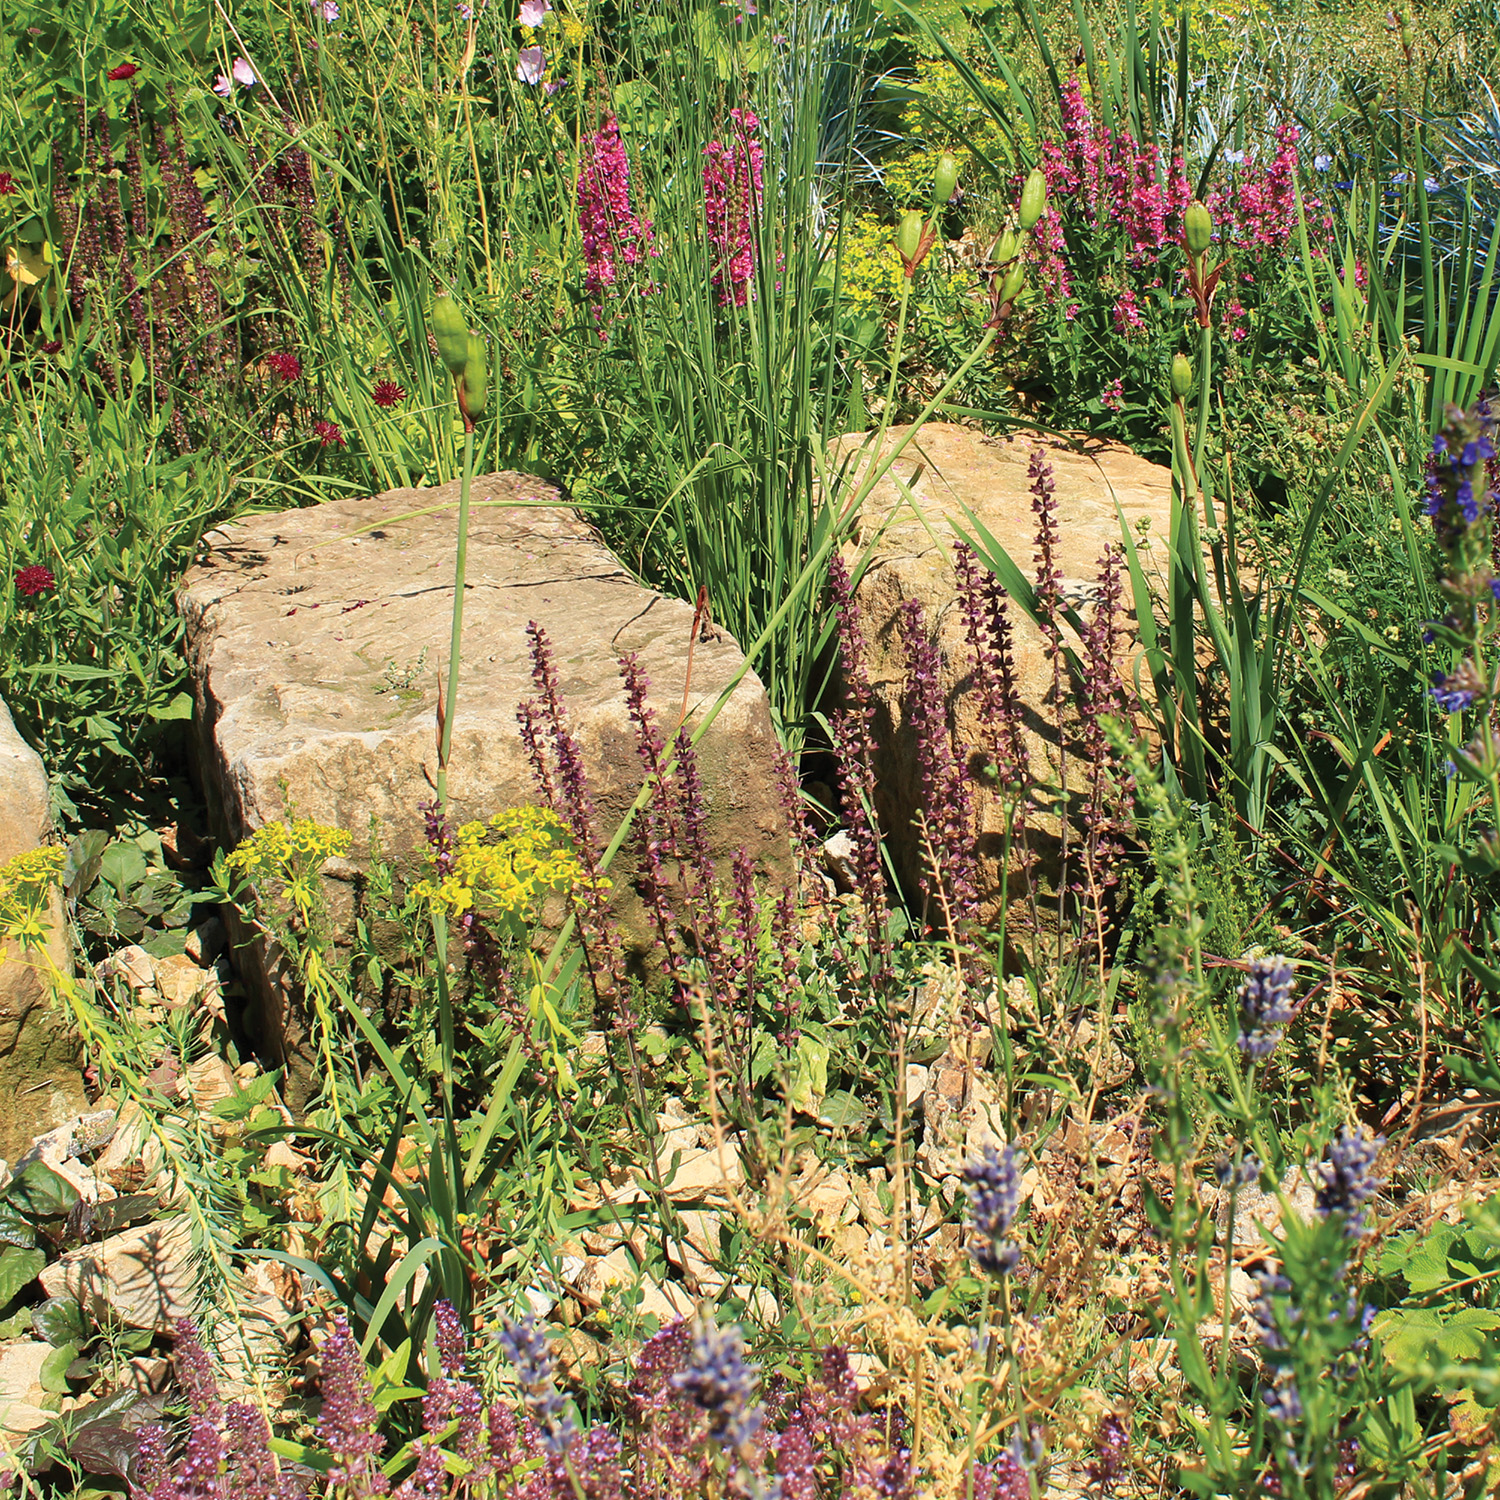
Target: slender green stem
x=896 y=343
x=1205 y=384
x=455 y=644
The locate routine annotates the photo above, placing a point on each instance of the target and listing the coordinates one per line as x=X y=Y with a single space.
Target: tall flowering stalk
x=1462 y=488
x=854 y=752
x=1314 y=1327
x=656 y=825
x=613 y=236
x=557 y=764
x=944 y=785
x=732 y=205
x=983 y=600
x=1107 y=806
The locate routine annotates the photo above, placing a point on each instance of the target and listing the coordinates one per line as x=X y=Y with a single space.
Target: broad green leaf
x=843 y=1110
x=54 y=1372
x=39 y=1192
x=18 y=1269
x=810 y=1078
x=58 y=1321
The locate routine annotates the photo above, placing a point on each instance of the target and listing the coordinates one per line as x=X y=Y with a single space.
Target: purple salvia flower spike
x=348 y=1425
x=944 y=785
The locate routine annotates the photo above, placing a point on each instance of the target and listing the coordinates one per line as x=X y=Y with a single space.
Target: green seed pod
x=474 y=378
x=945 y=179
x=1033 y=199
x=1407 y=39
x=1005 y=248
x=451 y=333
x=1197 y=227
x=909 y=234
x=1182 y=375
x=1010 y=288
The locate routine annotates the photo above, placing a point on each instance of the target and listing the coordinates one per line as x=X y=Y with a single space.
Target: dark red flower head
x=328 y=434
x=7 y=184
x=123 y=70
x=52 y=346
x=388 y=393
x=287 y=366
x=34 y=580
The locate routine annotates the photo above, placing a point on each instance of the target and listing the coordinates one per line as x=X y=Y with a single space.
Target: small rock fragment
x=206 y=942
x=132 y=964
x=142 y=1277
x=179 y=980
x=22 y=1399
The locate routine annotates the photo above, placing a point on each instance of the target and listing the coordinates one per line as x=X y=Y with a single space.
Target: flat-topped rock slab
x=317 y=637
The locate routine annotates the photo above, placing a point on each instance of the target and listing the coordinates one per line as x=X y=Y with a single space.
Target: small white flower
x=1234 y=158
x=1322 y=163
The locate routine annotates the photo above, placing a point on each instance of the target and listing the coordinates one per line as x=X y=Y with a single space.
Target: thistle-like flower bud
x=909 y=235
x=945 y=179
x=1197 y=228
x=451 y=333
x=1033 y=199
x=1182 y=375
x=475 y=382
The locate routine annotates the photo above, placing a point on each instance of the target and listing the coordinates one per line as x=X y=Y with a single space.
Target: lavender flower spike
x=525 y=1346
x=348 y=1423
x=994 y=1199
x=717 y=1379
x=1265 y=1006
x=1347 y=1180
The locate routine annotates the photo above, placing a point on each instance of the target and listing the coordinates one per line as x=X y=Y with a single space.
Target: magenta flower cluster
x=1262 y=208
x=732 y=205
x=613 y=236
x=1105 y=178
x=1118 y=179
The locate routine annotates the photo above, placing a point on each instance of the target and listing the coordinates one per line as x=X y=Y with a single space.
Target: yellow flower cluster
x=32 y=872
x=871 y=267
x=292 y=853
x=24 y=884
x=286 y=850
x=503 y=866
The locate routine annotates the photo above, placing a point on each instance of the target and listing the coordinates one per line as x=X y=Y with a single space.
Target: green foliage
x=92 y=666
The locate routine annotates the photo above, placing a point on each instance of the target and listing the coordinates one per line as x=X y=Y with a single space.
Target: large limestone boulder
x=316 y=638
x=908 y=530
x=40 y=1079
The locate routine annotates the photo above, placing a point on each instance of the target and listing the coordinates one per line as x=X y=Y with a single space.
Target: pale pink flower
x=244 y=75
x=534 y=12
x=531 y=64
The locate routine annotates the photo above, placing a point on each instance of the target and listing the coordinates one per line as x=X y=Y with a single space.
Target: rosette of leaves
x=123 y=890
